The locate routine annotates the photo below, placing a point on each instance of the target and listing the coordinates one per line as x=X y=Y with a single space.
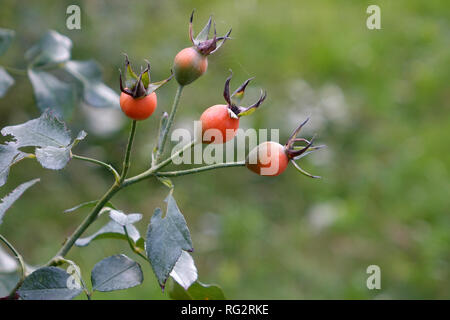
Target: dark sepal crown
x=204 y=45
x=139 y=86
x=296 y=152
x=233 y=100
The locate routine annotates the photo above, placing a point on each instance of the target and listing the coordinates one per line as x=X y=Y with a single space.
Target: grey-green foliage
x=116 y=273
x=166 y=238
x=184 y=272
x=6 y=81
x=8 y=201
x=50 y=92
x=48 y=283
x=8 y=156
x=52 y=48
x=114 y=230
x=48 y=134
x=58 y=82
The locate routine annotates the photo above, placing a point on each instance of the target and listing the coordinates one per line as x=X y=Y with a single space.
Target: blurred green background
x=378 y=100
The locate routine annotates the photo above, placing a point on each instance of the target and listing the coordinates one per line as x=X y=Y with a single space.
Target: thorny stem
x=101 y=163
x=21 y=263
x=176 y=101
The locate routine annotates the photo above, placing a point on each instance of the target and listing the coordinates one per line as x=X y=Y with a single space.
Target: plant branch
x=84 y=225
x=126 y=161
x=199 y=169
x=150 y=172
x=176 y=101
x=21 y=263
x=101 y=163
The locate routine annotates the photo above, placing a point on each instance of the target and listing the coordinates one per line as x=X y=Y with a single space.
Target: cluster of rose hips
x=138 y=101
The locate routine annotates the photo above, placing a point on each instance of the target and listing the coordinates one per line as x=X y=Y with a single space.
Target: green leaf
x=95 y=92
x=197 y=291
x=52 y=93
x=6 y=37
x=48 y=283
x=9 y=155
x=184 y=272
x=112 y=230
x=52 y=48
x=8 y=201
x=6 y=81
x=44 y=131
x=116 y=273
x=166 y=238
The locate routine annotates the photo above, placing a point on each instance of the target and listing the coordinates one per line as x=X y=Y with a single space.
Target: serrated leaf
x=112 y=230
x=52 y=93
x=6 y=81
x=44 y=131
x=6 y=37
x=56 y=158
x=48 y=134
x=52 y=157
x=166 y=238
x=95 y=92
x=9 y=200
x=116 y=273
x=48 y=283
x=52 y=48
x=9 y=155
x=185 y=272
x=197 y=291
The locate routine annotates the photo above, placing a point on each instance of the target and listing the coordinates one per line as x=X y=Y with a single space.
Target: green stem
x=126 y=162
x=101 y=163
x=21 y=263
x=150 y=172
x=176 y=101
x=84 y=225
x=200 y=169
x=16 y=71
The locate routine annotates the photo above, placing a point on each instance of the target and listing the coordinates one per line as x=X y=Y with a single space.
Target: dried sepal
x=234 y=99
x=139 y=86
x=249 y=110
x=202 y=42
x=297 y=152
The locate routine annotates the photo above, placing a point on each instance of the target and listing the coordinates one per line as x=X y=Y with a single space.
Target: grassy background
x=378 y=99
